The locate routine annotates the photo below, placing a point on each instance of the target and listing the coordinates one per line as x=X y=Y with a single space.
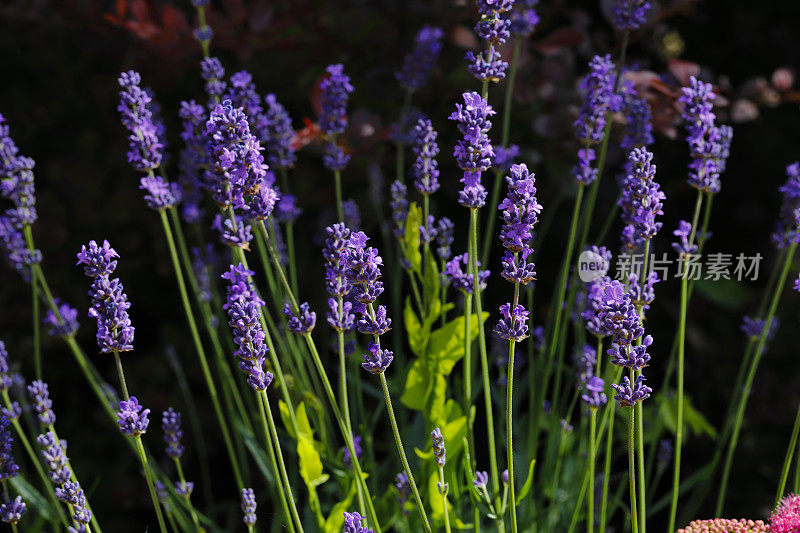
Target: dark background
x=60 y=60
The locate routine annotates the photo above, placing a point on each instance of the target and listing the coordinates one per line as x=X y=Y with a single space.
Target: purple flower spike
x=11 y=511
x=67 y=325
x=6 y=380
x=481 y=479
x=524 y=18
x=242 y=93
x=641 y=200
x=303 y=322
x=399 y=205
x=135 y=106
x=599 y=98
x=683 y=232
x=184 y=488
x=474 y=153
x=513 y=325
x=353 y=523
x=618 y=314
x=786 y=229
x=335 y=158
x=334 y=93
x=438 y=447
x=635 y=357
x=171 y=426
x=212 y=72
x=362 y=268
x=403 y=491
x=629 y=15
x=419 y=63
x=377 y=325
x=54 y=452
x=109 y=303
x=346 y=459
x=493 y=28
x=160 y=193
x=249 y=507
x=454 y=271
x=444 y=238
x=275 y=132
x=8 y=468
x=132 y=417
x=377 y=360
x=42 y=402
x=628 y=396
x=426 y=149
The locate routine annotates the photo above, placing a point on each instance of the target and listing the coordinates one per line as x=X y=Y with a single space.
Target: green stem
x=468 y=374
x=284 y=478
x=182 y=479
x=37 y=339
x=631 y=465
x=787 y=462
x=676 y=473
x=123 y=385
x=607 y=471
x=399 y=443
x=337 y=178
x=510 y=422
x=443 y=491
x=212 y=389
x=487 y=390
x=149 y=478
x=592 y=454
x=751 y=376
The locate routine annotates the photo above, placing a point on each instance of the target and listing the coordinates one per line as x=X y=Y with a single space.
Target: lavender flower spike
x=353 y=523
x=474 y=153
x=54 y=452
x=425 y=148
x=627 y=396
x=42 y=402
x=629 y=15
x=171 y=425
x=438 y=447
x=594 y=396
x=275 y=132
x=145 y=148
x=493 y=27
x=8 y=468
x=132 y=417
x=335 y=90
x=303 y=322
x=72 y=494
x=63 y=325
x=419 y=63
x=11 y=511
x=109 y=303
x=249 y=507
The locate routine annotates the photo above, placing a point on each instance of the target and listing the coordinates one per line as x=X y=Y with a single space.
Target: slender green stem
x=607 y=471
x=337 y=178
x=37 y=339
x=467 y=386
x=592 y=455
x=289 y=235
x=399 y=443
x=443 y=491
x=274 y=465
x=121 y=374
x=762 y=340
x=284 y=478
x=510 y=422
x=676 y=473
x=796 y=487
x=212 y=389
x=149 y=478
x=787 y=462
x=182 y=479
x=632 y=466
x=37 y=463
x=487 y=390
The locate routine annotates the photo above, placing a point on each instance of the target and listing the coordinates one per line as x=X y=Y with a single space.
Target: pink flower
x=786 y=518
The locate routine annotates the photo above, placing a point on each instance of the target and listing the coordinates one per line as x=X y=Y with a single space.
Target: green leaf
x=454 y=433
x=528 y=483
x=726 y=293
x=435 y=411
x=692 y=418
x=431 y=285
x=446 y=344
x=335 y=520
x=258 y=453
x=417 y=338
x=32 y=497
x=411 y=237
x=310 y=463
x=419 y=384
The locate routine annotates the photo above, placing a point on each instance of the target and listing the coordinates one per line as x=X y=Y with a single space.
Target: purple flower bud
x=171 y=426
x=627 y=396
x=184 y=488
x=132 y=417
x=66 y=325
x=353 y=523
x=513 y=325
x=346 y=459
x=419 y=63
x=481 y=479
x=11 y=511
x=42 y=402
x=303 y=322
x=786 y=229
x=212 y=72
x=683 y=232
x=629 y=15
x=438 y=447
x=377 y=360
x=594 y=396
x=249 y=507
x=335 y=158
x=454 y=271
x=160 y=193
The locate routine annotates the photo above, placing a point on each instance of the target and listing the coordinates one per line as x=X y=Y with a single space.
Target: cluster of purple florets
x=213 y=73
x=132 y=417
x=335 y=90
x=145 y=147
x=599 y=98
x=244 y=307
x=709 y=144
x=276 y=133
x=787 y=228
x=641 y=201
x=248 y=507
x=353 y=523
x=64 y=323
x=340 y=315
x=629 y=15
x=419 y=63
x=16 y=185
x=109 y=303
x=473 y=153
x=524 y=18
x=40 y=396
x=426 y=173
x=620 y=316
x=457 y=272
x=494 y=28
